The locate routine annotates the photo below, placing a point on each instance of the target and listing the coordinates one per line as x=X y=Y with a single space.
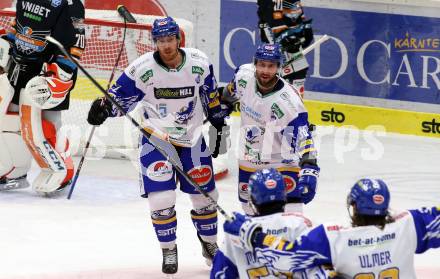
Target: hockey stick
x=139 y=127
x=321 y=40
x=86 y=148
x=269 y=36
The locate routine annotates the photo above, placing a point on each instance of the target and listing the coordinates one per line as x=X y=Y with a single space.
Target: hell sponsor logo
x=431 y=127
x=160 y=171
x=202 y=175
x=174 y=93
x=332 y=116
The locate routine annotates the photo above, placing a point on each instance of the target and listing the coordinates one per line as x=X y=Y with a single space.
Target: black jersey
x=277 y=16
x=36 y=19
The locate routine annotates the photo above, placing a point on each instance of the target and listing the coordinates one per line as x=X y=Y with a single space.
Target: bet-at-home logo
x=145 y=77
x=174 y=93
x=197 y=70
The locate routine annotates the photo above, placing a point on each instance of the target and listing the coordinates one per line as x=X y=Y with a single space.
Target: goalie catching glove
x=51 y=88
x=47 y=92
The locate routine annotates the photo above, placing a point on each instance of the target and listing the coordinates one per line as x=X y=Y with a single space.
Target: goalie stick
x=86 y=148
x=142 y=130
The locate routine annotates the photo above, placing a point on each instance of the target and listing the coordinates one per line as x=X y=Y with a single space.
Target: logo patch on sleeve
x=197 y=70
x=146 y=76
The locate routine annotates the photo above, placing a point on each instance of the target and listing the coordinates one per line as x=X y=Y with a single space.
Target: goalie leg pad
x=164 y=217
x=13 y=151
x=41 y=138
x=4 y=54
x=15 y=159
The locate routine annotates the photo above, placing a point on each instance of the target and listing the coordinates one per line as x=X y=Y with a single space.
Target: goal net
x=104 y=37
x=117 y=137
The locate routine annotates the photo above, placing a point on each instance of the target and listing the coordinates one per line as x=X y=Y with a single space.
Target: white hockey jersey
x=274 y=126
x=173 y=101
x=359 y=252
x=232 y=261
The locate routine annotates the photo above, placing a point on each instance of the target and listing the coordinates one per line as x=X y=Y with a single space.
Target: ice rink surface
x=105 y=230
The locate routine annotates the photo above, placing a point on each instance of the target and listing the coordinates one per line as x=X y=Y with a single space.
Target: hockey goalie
x=35 y=84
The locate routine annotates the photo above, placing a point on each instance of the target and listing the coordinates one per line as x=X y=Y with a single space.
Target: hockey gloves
x=307 y=182
x=99 y=111
x=291 y=39
x=243 y=228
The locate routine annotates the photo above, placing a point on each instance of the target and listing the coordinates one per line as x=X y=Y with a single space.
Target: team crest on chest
x=55 y=3
x=186 y=113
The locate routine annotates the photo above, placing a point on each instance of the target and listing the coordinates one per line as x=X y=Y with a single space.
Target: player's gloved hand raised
x=307 y=182
x=99 y=111
x=291 y=39
x=244 y=228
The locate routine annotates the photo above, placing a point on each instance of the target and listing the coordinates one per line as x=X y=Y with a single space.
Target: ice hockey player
x=284 y=22
x=274 y=128
x=376 y=246
x=174 y=86
x=267 y=199
x=35 y=84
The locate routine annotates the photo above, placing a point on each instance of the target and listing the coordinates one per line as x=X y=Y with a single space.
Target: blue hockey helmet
x=268 y=52
x=266 y=186
x=370 y=196
x=165 y=27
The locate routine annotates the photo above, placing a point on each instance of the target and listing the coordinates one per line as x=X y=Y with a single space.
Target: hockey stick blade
x=139 y=127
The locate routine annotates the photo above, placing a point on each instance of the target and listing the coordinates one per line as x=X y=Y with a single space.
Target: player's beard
x=266 y=84
x=170 y=56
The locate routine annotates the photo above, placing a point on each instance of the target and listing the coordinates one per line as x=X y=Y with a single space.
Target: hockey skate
x=208 y=250
x=169 y=262
x=13 y=183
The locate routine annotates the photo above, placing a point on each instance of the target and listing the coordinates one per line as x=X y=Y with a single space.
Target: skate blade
x=14 y=185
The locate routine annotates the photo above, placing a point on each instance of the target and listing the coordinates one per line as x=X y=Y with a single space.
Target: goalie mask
x=47 y=92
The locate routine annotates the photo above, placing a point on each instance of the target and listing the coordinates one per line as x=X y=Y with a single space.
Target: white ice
x=105 y=230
